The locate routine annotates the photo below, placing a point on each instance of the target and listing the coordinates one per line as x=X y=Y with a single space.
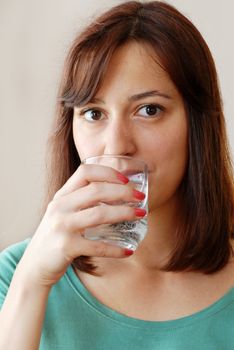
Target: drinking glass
x=126 y=234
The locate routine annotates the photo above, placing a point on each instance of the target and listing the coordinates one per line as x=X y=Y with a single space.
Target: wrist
x=26 y=282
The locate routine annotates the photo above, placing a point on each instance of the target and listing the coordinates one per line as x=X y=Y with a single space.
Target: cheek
x=174 y=152
x=171 y=157
x=85 y=145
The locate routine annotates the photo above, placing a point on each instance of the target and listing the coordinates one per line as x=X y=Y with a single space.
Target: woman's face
x=137 y=112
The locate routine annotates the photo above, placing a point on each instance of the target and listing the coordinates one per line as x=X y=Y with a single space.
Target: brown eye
x=92 y=115
x=151 y=110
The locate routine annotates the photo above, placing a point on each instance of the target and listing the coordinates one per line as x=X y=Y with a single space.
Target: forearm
x=22 y=315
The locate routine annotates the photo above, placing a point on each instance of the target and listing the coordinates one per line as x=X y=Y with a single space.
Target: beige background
x=34 y=38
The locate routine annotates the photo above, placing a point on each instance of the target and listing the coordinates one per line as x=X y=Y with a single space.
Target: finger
x=97 y=192
x=98 y=215
x=99 y=249
x=87 y=173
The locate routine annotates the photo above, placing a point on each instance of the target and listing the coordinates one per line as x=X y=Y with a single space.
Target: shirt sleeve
x=9 y=259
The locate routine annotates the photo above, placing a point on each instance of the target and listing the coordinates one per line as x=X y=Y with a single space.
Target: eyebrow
x=148 y=94
x=137 y=97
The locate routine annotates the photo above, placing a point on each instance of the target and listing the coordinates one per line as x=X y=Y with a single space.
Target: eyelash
x=157 y=106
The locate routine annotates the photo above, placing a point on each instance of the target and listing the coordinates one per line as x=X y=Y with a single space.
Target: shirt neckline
x=94 y=303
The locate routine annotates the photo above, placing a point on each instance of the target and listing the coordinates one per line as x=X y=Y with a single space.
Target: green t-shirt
x=75 y=319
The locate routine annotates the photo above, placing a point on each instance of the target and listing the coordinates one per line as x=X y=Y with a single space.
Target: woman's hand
x=59 y=237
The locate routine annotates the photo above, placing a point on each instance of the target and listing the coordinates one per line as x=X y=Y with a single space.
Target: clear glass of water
x=126 y=234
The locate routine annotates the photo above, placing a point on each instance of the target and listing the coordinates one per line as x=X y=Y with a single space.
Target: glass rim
x=116 y=156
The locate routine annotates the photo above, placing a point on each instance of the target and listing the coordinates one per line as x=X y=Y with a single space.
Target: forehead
x=136 y=66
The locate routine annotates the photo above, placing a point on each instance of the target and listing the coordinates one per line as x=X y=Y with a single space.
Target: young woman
x=139 y=81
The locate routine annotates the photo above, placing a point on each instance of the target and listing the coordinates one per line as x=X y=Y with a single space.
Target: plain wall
x=35 y=36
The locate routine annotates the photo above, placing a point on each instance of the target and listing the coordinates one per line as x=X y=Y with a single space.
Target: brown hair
x=203 y=243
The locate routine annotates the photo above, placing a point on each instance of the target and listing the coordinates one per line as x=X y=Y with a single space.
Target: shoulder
x=9 y=259
x=12 y=254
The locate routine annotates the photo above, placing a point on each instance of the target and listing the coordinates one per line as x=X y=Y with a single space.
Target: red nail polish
x=138 y=194
x=128 y=252
x=140 y=212
x=122 y=178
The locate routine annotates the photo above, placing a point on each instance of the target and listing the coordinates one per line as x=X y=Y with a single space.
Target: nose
x=119 y=139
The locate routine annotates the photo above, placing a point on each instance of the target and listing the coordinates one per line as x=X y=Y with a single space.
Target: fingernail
x=122 y=178
x=138 y=195
x=128 y=252
x=140 y=212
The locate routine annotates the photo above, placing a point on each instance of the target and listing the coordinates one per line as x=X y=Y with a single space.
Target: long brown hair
x=203 y=243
